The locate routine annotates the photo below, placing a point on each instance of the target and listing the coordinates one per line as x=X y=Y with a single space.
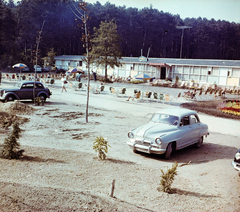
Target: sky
x=228 y=10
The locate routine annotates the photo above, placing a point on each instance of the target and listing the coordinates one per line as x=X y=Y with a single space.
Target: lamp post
x=182 y=28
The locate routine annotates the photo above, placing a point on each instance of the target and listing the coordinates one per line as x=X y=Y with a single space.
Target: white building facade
x=220 y=72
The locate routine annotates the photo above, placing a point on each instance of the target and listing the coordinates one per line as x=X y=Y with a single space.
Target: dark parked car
x=25 y=91
x=236 y=162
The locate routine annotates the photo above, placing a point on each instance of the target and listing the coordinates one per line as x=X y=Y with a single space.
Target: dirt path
x=60 y=171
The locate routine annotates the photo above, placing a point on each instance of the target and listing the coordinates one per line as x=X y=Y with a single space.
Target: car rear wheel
x=168 y=151
x=10 y=98
x=199 y=143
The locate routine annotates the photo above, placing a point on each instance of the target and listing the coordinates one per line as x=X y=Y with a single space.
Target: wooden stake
x=113 y=186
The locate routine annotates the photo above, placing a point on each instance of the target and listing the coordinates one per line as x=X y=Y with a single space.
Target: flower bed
x=230 y=107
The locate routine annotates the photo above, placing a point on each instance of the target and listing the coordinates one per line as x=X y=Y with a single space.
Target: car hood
x=10 y=89
x=153 y=129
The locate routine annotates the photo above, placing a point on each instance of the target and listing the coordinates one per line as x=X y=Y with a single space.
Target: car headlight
x=237 y=156
x=130 y=135
x=158 y=141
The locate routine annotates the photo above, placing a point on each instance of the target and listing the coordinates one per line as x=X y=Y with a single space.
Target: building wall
x=202 y=74
x=233 y=81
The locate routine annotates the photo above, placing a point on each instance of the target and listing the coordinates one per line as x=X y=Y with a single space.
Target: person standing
x=95 y=76
x=64 y=81
x=78 y=77
x=0 y=76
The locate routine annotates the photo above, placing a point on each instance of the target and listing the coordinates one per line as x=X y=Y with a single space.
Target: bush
x=11 y=146
x=136 y=81
x=168 y=177
x=100 y=145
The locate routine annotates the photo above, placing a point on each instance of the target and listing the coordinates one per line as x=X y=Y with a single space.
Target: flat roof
x=166 y=61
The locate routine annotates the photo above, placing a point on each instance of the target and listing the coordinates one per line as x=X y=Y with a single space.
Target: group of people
x=136 y=96
x=190 y=95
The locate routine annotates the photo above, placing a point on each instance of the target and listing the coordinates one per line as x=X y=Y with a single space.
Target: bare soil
x=60 y=171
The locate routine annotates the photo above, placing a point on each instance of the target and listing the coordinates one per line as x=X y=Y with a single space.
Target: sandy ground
x=61 y=172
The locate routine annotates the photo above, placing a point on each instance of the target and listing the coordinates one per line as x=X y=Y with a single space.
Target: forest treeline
x=146 y=29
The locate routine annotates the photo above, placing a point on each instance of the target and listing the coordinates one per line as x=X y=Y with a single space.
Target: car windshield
x=18 y=85
x=165 y=119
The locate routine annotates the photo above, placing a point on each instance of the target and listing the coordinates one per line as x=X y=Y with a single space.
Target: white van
x=39 y=68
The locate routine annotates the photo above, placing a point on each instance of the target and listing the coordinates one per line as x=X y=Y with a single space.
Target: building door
x=163 y=73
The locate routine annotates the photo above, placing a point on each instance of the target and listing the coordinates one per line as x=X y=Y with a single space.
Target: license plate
x=142 y=150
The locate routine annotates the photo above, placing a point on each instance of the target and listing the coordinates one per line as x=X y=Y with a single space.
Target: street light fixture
x=182 y=28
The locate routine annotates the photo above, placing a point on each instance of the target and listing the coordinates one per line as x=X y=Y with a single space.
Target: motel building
x=219 y=72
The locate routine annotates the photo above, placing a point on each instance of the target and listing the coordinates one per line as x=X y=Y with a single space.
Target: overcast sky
x=228 y=10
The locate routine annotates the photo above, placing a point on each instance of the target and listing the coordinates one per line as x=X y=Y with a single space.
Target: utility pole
x=182 y=28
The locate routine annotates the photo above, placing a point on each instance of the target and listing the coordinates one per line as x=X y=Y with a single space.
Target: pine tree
x=106 y=46
x=11 y=146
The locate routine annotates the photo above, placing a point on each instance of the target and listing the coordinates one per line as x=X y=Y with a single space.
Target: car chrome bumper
x=236 y=166
x=146 y=149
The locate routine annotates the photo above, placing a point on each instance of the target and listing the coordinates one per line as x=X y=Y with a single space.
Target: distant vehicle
x=236 y=162
x=60 y=71
x=47 y=69
x=24 y=91
x=39 y=68
x=26 y=69
x=167 y=131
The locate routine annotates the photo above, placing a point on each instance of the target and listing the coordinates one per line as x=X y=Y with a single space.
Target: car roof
x=176 y=111
x=30 y=82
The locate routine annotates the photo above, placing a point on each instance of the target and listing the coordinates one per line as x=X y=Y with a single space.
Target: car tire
x=199 y=143
x=135 y=151
x=10 y=98
x=42 y=97
x=168 y=152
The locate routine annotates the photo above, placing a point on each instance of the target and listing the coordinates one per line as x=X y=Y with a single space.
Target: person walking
x=64 y=81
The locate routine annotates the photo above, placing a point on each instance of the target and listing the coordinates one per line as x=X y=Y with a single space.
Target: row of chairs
x=117 y=91
x=157 y=97
x=80 y=86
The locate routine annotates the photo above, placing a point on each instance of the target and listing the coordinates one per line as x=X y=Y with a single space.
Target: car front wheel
x=199 y=143
x=168 y=151
x=10 y=98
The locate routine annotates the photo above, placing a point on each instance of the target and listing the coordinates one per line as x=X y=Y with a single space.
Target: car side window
x=27 y=86
x=184 y=121
x=193 y=119
x=39 y=85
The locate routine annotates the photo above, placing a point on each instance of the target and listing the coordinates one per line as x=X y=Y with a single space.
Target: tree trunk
x=105 y=70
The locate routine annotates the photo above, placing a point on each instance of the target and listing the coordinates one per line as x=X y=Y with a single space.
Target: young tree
x=11 y=146
x=106 y=46
x=83 y=14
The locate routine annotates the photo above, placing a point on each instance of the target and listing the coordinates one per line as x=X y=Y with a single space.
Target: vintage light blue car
x=236 y=162
x=167 y=131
